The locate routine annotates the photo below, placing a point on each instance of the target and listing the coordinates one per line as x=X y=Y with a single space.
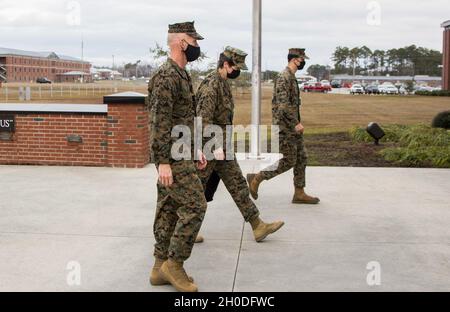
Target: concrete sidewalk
x=102 y=219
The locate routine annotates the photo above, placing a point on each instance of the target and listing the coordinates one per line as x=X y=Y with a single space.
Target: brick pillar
x=128 y=132
x=446 y=57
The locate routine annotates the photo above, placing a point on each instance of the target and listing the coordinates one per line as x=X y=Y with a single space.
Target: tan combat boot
x=300 y=197
x=174 y=273
x=155 y=278
x=254 y=180
x=200 y=239
x=261 y=230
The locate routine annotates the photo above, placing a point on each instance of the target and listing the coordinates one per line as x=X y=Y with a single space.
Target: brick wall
x=128 y=135
x=116 y=138
x=41 y=139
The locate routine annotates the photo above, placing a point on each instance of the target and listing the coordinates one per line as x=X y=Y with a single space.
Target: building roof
x=446 y=24
x=51 y=55
x=75 y=73
x=385 y=78
x=105 y=70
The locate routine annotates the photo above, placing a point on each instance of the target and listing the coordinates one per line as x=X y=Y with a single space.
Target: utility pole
x=137 y=64
x=113 y=64
x=256 y=79
x=82 y=58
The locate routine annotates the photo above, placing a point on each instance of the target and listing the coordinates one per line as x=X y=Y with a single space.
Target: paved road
x=53 y=219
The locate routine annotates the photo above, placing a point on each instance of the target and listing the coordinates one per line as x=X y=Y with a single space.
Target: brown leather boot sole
x=260 y=239
x=313 y=201
x=199 y=240
x=250 y=178
x=157 y=280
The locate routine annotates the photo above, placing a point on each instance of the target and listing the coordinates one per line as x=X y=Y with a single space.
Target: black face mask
x=192 y=53
x=234 y=74
x=301 y=66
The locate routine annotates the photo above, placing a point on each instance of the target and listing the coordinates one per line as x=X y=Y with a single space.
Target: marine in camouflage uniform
x=215 y=106
x=286 y=105
x=180 y=207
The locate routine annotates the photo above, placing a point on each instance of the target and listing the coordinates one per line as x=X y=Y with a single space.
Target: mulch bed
x=339 y=150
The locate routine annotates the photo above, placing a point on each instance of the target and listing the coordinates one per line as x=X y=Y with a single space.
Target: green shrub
x=434 y=93
x=392 y=132
x=436 y=156
x=418 y=145
x=442 y=120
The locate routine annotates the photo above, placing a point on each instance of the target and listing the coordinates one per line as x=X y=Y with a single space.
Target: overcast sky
x=128 y=28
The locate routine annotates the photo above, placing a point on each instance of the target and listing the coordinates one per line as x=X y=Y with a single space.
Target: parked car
x=388 y=89
x=347 y=85
x=425 y=88
x=372 y=89
x=402 y=90
x=43 y=80
x=317 y=87
x=336 y=84
x=356 y=89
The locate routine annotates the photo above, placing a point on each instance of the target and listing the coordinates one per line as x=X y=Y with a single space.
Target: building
x=446 y=60
x=428 y=80
x=305 y=78
x=28 y=66
x=74 y=77
x=106 y=74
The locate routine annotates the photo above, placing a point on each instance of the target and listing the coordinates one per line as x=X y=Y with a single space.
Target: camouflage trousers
x=294 y=156
x=231 y=175
x=179 y=213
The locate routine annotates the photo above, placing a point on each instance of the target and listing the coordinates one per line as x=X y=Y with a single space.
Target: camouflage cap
x=298 y=53
x=237 y=56
x=185 y=28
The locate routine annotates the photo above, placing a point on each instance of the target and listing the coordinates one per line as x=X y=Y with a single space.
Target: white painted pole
x=256 y=79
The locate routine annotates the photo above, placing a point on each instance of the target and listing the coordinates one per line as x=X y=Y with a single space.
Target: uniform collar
x=289 y=71
x=183 y=73
x=216 y=72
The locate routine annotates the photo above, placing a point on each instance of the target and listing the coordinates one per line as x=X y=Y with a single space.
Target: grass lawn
x=323 y=113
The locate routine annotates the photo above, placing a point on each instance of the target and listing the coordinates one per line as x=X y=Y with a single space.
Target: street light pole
x=256 y=79
x=137 y=64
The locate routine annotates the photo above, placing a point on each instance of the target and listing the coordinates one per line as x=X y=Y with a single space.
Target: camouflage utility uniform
x=216 y=107
x=181 y=207
x=286 y=114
